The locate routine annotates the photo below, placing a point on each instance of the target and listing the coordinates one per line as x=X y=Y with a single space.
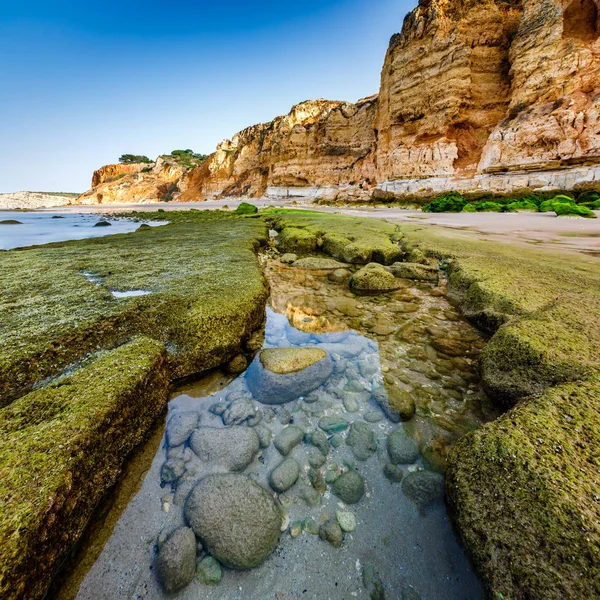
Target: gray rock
x=264 y=435
x=284 y=416
x=331 y=532
x=285 y=475
x=402 y=449
x=230 y=449
x=393 y=473
x=288 y=258
x=218 y=408
x=414 y=271
x=333 y=424
x=309 y=495
x=340 y=275
x=279 y=378
x=372 y=582
x=373 y=416
x=176 y=561
x=317 y=480
x=172 y=470
x=239 y=411
x=346 y=520
x=349 y=487
x=423 y=488
x=315 y=458
x=180 y=427
x=287 y=439
x=362 y=440
x=373 y=279
x=320 y=441
x=237 y=520
x=337 y=440
x=351 y=403
x=208 y=571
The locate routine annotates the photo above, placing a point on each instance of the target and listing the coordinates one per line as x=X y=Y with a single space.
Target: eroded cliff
x=493 y=95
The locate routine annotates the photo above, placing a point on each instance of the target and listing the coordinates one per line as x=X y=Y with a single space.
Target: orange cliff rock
x=493 y=95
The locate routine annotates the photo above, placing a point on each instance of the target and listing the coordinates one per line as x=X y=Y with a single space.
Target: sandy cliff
x=475 y=95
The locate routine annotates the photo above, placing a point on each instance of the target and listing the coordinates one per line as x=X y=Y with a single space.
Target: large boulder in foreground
x=236 y=519
x=278 y=375
x=525 y=492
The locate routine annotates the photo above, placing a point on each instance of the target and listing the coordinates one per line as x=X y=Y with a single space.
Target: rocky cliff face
x=135 y=183
x=475 y=95
x=319 y=144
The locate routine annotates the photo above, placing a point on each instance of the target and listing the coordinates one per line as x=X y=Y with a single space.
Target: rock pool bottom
x=408 y=540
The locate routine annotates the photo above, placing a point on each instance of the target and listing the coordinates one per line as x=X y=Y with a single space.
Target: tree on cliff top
x=134 y=158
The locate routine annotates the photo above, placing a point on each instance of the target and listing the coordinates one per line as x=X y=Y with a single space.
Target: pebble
x=208 y=571
x=346 y=520
x=333 y=424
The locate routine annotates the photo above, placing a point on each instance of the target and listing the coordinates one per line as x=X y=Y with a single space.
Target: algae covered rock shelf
x=83 y=374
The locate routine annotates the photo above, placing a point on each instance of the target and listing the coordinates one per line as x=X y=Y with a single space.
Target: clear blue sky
x=83 y=82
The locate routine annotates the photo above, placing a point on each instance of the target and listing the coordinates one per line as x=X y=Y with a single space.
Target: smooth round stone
x=172 y=470
x=402 y=449
x=346 y=520
x=393 y=473
x=176 y=561
x=320 y=441
x=180 y=427
x=423 y=488
x=340 y=275
x=288 y=258
x=285 y=475
x=287 y=439
x=229 y=448
x=333 y=424
x=373 y=279
x=315 y=458
x=296 y=529
x=351 y=404
x=331 y=532
x=337 y=440
x=237 y=520
x=279 y=375
x=373 y=416
x=362 y=440
x=208 y=571
x=350 y=487
x=102 y=224
x=310 y=526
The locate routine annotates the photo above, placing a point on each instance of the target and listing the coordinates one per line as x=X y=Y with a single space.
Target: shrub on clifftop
x=127 y=159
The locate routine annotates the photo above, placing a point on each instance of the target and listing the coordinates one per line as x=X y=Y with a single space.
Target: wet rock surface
x=176 y=562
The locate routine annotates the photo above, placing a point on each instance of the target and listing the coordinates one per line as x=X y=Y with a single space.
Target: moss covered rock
x=524 y=490
x=61 y=448
x=373 y=279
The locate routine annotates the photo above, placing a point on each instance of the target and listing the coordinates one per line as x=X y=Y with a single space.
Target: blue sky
x=82 y=83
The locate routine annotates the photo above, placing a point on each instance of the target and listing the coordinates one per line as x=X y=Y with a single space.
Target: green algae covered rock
x=61 y=448
x=373 y=279
x=573 y=210
x=208 y=571
x=522 y=206
x=524 y=490
x=295 y=239
x=551 y=205
x=450 y=202
x=237 y=520
x=418 y=272
x=314 y=262
x=349 y=487
x=245 y=208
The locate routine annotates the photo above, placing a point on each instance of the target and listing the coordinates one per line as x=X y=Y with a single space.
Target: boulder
x=362 y=440
x=176 y=562
x=349 y=487
x=287 y=439
x=285 y=475
x=414 y=271
x=180 y=427
x=237 y=520
x=423 y=487
x=373 y=279
x=229 y=449
x=279 y=375
x=402 y=449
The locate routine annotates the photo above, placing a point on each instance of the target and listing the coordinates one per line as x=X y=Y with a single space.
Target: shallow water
x=378 y=342
x=44 y=227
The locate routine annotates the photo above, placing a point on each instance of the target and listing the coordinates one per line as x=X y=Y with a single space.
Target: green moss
x=522 y=206
x=207 y=296
x=524 y=490
x=61 y=448
x=469 y=208
x=551 y=205
x=351 y=240
x=588 y=197
x=245 y=208
x=489 y=207
x=451 y=202
x=573 y=210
